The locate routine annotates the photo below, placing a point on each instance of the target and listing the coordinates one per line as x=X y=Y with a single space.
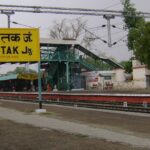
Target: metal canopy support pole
x=67 y=74
x=39 y=85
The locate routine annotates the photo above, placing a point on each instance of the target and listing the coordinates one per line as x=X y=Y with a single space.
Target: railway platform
x=105 y=125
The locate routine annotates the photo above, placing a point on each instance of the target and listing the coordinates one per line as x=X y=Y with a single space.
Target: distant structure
x=141 y=75
x=117 y=79
x=67 y=65
x=65 y=61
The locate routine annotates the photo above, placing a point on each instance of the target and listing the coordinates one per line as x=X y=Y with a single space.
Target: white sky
x=44 y=21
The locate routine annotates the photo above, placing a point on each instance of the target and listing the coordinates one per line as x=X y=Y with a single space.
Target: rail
x=142 y=107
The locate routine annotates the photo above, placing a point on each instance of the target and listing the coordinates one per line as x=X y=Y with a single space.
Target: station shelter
x=19 y=82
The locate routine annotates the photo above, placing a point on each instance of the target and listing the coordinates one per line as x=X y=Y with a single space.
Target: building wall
x=139 y=74
x=93 y=80
x=119 y=75
x=104 y=79
x=98 y=80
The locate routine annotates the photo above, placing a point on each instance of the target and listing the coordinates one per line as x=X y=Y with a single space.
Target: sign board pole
x=39 y=85
x=22 y=45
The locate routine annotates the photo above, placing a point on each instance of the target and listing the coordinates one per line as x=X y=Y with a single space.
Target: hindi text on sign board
x=19 y=45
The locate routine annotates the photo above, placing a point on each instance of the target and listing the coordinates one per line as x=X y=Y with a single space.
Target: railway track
x=121 y=102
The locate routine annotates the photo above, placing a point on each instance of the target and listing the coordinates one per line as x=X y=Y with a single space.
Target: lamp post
x=8 y=13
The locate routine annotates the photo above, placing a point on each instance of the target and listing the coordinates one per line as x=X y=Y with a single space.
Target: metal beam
x=67 y=11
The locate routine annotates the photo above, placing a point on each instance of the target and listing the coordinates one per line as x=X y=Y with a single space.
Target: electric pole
x=8 y=13
x=108 y=17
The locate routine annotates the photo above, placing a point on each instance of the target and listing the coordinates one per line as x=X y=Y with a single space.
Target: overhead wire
x=114 y=26
x=114 y=33
x=114 y=43
x=110 y=6
x=84 y=10
x=96 y=37
x=114 y=5
x=119 y=45
x=105 y=8
x=102 y=26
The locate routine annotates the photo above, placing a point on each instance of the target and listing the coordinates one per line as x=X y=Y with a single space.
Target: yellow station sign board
x=19 y=45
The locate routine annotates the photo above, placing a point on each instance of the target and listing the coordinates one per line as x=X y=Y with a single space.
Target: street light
x=14 y=22
x=8 y=13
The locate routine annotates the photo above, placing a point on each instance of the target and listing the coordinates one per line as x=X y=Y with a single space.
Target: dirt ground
x=15 y=136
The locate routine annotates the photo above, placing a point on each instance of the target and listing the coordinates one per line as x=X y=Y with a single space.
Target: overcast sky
x=44 y=21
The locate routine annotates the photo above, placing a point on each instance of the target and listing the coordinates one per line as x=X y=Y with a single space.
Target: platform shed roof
x=8 y=77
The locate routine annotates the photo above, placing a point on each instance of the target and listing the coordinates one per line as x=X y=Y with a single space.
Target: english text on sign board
x=19 y=45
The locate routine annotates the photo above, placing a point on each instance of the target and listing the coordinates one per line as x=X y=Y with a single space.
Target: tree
x=65 y=30
x=139 y=33
x=71 y=30
x=132 y=22
x=19 y=70
x=142 y=44
x=131 y=18
x=127 y=65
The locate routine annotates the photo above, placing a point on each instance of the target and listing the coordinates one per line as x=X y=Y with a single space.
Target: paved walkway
x=45 y=122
